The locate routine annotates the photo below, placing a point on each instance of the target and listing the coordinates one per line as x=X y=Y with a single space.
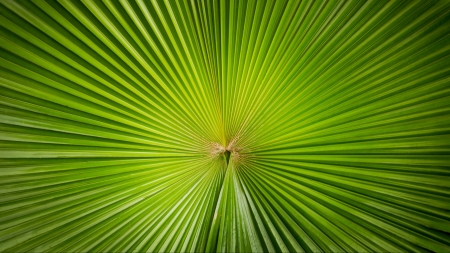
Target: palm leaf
x=250 y=126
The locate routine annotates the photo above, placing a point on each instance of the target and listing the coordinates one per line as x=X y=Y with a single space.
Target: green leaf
x=224 y=126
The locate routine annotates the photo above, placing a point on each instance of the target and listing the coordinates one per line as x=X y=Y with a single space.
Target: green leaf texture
x=224 y=126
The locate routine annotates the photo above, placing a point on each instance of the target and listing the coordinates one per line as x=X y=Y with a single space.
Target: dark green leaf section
x=224 y=126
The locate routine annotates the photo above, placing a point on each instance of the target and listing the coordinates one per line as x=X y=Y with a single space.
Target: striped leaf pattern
x=224 y=126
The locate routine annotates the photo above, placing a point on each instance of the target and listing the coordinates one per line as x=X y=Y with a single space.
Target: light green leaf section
x=224 y=126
